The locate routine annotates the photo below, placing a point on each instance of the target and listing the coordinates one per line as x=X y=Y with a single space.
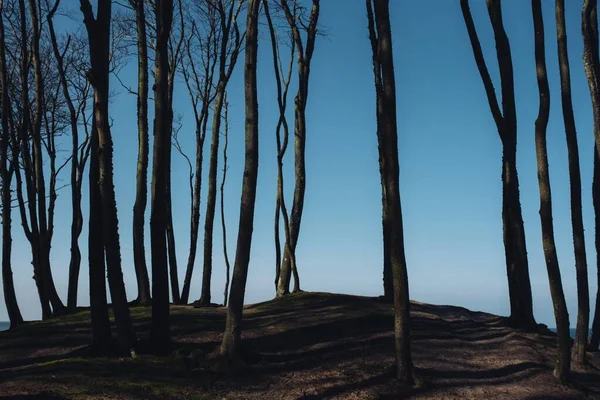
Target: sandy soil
x=308 y=346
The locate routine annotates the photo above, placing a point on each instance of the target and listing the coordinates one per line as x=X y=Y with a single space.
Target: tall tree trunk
x=99 y=41
x=230 y=346
x=223 y=225
x=304 y=59
x=595 y=335
x=282 y=91
x=563 y=359
x=160 y=169
x=519 y=286
x=591 y=62
x=583 y=295
x=101 y=335
x=6 y=167
x=38 y=169
x=141 y=185
x=172 y=253
x=76 y=166
x=212 y=196
x=381 y=37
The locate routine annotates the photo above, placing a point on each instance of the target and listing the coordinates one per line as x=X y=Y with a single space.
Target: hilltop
x=306 y=346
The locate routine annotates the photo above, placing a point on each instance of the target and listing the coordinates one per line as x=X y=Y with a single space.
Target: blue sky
x=450 y=159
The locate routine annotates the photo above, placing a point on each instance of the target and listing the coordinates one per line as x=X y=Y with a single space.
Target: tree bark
x=583 y=295
x=519 y=286
x=591 y=62
x=223 y=225
x=304 y=59
x=99 y=41
x=160 y=169
x=141 y=183
x=6 y=172
x=230 y=346
x=563 y=359
x=380 y=32
x=101 y=335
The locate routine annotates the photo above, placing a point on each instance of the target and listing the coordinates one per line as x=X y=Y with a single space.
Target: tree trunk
x=381 y=35
x=160 y=169
x=212 y=196
x=591 y=62
x=595 y=335
x=223 y=225
x=583 y=295
x=172 y=253
x=304 y=59
x=99 y=41
x=101 y=335
x=141 y=186
x=519 y=286
x=10 y=297
x=563 y=359
x=230 y=346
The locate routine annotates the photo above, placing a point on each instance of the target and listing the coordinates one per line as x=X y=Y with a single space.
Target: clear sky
x=450 y=160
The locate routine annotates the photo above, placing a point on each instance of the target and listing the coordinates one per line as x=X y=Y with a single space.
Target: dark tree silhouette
x=160 y=170
x=380 y=34
x=305 y=53
x=141 y=182
x=230 y=346
x=98 y=29
x=7 y=167
x=563 y=359
x=519 y=286
x=583 y=295
x=591 y=63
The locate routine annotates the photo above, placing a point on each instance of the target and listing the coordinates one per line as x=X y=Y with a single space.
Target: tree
x=591 y=63
x=230 y=346
x=141 y=182
x=160 y=171
x=583 y=296
x=380 y=34
x=230 y=44
x=79 y=152
x=98 y=29
x=519 y=286
x=7 y=167
x=282 y=91
x=198 y=74
x=563 y=359
x=223 y=179
x=304 y=58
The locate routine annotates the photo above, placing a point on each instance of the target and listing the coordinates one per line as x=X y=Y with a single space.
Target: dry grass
x=310 y=345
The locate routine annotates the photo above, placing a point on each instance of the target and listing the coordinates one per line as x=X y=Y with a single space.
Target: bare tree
x=198 y=74
x=583 y=295
x=223 y=179
x=563 y=359
x=282 y=91
x=160 y=171
x=98 y=29
x=141 y=185
x=7 y=167
x=380 y=34
x=230 y=43
x=230 y=346
x=305 y=53
x=79 y=152
x=519 y=286
x=591 y=62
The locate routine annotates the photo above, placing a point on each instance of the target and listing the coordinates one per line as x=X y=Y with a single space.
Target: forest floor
x=306 y=346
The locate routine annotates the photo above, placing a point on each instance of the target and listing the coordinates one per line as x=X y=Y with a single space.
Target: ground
x=306 y=346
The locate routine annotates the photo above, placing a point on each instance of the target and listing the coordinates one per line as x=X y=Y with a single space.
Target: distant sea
x=4 y=325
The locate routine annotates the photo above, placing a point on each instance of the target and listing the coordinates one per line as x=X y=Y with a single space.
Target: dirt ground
x=307 y=346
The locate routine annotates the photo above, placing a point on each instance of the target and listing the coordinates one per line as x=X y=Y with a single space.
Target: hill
x=306 y=346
